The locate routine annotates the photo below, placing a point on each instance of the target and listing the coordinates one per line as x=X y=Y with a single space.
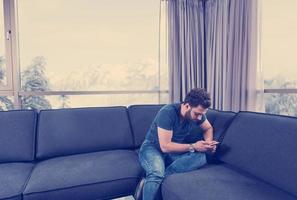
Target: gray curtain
x=185 y=47
x=213 y=45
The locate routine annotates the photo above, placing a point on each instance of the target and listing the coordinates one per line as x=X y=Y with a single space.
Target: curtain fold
x=186 y=57
x=213 y=44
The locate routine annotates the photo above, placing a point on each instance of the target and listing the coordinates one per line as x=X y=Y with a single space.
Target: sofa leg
x=138 y=191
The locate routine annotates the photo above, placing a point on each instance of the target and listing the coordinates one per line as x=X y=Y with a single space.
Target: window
x=92 y=53
x=279 y=47
x=94 y=45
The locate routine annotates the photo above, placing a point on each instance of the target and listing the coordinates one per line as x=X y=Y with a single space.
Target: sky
x=279 y=38
x=105 y=32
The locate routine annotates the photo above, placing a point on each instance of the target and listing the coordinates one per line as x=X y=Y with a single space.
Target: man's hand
x=202 y=146
x=205 y=146
x=213 y=144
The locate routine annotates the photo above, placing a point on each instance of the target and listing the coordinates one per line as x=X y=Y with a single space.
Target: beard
x=188 y=115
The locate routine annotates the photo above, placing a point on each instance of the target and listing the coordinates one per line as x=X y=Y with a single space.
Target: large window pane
x=279 y=43
x=164 y=98
x=284 y=104
x=279 y=46
x=3 y=78
x=89 y=45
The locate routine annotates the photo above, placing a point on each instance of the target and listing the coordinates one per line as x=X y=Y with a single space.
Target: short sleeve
x=165 y=119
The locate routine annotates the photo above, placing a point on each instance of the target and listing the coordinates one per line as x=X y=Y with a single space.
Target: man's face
x=195 y=113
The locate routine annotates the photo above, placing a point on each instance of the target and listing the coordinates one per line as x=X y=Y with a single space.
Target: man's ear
x=187 y=105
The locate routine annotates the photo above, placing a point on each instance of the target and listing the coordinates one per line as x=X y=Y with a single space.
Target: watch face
x=191 y=148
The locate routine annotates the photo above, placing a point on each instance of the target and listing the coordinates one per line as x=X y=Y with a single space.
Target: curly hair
x=198 y=96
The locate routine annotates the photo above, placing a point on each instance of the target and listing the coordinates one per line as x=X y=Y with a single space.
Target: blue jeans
x=158 y=165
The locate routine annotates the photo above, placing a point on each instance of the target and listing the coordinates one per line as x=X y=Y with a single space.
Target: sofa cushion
x=13 y=177
x=97 y=175
x=263 y=145
x=141 y=117
x=219 y=182
x=82 y=130
x=17 y=135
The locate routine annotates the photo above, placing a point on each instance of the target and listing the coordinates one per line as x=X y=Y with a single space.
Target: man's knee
x=155 y=175
x=199 y=157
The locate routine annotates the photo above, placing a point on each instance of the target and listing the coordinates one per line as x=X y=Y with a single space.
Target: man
x=164 y=152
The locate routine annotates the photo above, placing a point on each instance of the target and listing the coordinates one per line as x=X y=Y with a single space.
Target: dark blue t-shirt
x=169 y=118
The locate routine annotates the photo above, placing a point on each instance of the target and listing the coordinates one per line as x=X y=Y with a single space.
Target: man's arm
x=208 y=135
x=167 y=145
x=208 y=131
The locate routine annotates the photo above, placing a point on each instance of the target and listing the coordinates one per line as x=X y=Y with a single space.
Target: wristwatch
x=191 y=148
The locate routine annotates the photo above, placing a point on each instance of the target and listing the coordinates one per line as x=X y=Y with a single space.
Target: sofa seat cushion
x=97 y=175
x=219 y=182
x=13 y=177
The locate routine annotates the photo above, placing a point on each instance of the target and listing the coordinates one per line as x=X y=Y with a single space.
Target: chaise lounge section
x=258 y=155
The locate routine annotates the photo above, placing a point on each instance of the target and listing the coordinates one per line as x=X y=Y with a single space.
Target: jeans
x=158 y=165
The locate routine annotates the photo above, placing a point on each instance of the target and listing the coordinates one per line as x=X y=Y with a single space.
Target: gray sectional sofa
x=91 y=153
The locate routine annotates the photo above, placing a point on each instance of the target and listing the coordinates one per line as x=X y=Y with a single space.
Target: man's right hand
x=203 y=146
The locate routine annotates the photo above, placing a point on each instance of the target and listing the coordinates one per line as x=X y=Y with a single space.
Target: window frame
x=7 y=47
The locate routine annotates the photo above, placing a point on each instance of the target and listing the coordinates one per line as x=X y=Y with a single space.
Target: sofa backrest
x=17 y=135
x=141 y=117
x=72 y=131
x=263 y=145
x=220 y=121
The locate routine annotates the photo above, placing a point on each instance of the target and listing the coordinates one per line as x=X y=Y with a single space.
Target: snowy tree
x=5 y=103
x=34 y=79
x=64 y=99
x=143 y=76
x=285 y=104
